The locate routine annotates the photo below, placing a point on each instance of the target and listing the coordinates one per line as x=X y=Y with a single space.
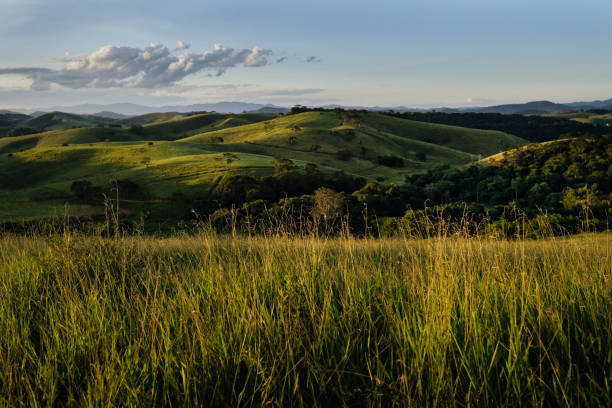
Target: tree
x=311 y=169
x=390 y=161
x=328 y=207
x=137 y=129
x=282 y=165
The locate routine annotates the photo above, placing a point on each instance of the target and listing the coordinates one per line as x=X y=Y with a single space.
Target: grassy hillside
x=9 y=121
x=45 y=174
x=478 y=142
x=61 y=120
x=176 y=128
x=189 y=155
x=151 y=118
x=12 y=119
x=15 y=125
x=180 y=127
x=367 y=136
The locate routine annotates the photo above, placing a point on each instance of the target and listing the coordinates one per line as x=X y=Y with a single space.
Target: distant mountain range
x=130 y=109
x=120 y=110
x=109 y=115
x=535 y=108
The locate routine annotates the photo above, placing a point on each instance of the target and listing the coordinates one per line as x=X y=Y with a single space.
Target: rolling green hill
x=180 y=127
x=166 y=130
x=16 y=124
x=151 y=118
x=190 y=155
x=9 y=121
x=376 y=133
x=61 y=121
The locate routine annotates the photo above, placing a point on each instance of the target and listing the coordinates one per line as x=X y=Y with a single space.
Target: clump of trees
x=21 y=131
x=86 y=191
x=137 y=129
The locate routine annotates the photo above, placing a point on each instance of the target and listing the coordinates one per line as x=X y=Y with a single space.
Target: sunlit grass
x=220 y=321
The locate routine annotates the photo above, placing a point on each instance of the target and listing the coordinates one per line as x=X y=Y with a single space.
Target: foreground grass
x=221 y=321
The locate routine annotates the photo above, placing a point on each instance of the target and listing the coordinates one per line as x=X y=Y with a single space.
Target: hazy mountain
x=607 y=104
x=270 y=110
x=529 y=108
x=7 y=112
x=109 y=115
x=130 y=109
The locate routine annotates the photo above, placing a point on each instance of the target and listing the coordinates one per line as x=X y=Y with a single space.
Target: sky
x=416 y=53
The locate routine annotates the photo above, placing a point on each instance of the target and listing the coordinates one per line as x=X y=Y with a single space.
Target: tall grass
x=218 y=320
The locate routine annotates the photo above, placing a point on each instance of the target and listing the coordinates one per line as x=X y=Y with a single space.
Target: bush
x=85 y=191
x=390 y=161
x=344 y=154
x=127 y=189
x=221 y=220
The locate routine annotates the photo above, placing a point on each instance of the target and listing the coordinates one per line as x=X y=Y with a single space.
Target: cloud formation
x=151 y=67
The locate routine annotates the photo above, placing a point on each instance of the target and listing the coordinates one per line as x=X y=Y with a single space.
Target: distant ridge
x=529 y=108
x=533 y=108
x=270 y=110
x=130 y=109
x=109 y=115
x=7 y=112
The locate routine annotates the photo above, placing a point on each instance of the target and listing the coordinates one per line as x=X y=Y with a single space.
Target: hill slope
x=176 y=128
x=61 y=120
x=189 y=155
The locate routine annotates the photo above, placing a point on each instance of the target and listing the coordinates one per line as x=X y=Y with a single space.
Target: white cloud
x=151 y=67
x=180 y=45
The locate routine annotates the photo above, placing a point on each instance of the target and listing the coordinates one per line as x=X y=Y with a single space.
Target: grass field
x=223 y=321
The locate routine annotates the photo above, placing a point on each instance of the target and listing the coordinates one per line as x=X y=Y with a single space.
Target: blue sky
x=388 y=53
